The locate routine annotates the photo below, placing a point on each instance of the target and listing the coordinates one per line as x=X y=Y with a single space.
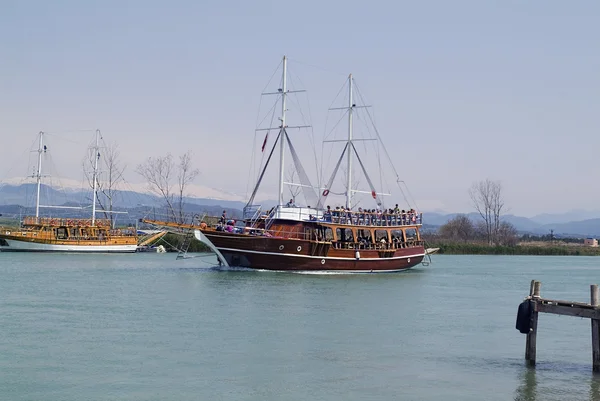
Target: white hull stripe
x=292 y=255
x=14 y=245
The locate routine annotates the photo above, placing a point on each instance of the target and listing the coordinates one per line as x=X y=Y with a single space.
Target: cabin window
x=411 y=234
x=381 y=235
x=344 y=235
x=74 y=233
x=61 y=233
x=364 y=236
x=398 y=235
x=324 y=233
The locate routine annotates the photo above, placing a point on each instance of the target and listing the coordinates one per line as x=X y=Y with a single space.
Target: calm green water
x=148 y=327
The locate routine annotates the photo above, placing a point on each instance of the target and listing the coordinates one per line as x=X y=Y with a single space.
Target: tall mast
x=282 y=132
x=349 y=175
x=39 y=175
x=95 y=176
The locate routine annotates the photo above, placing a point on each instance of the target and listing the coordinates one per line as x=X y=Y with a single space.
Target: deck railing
x=56 y=222
x=372 y=219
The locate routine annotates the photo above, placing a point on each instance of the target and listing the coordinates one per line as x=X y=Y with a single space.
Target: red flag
x=265 y=142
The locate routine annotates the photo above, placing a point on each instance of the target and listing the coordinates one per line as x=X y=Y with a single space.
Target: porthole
x=281 y=247
x=299 y=248
x=322 y=261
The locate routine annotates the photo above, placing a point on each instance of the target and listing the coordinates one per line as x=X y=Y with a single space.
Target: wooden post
x=530 y=345
x=595 y=330
x=531 y=286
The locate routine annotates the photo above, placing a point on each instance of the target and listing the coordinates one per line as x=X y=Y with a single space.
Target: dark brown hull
x=269 y=253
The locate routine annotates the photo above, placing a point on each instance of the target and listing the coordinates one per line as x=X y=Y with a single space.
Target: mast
x=39 y=175
x=281 y=136
x=95 y=177
x=349 y=175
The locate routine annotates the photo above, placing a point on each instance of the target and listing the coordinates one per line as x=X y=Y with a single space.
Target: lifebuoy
x=524 y=317
x=326 y=192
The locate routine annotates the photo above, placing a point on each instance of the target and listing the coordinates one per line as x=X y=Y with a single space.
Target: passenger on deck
x=327 y=214
x=223 y=218
x=290 y=203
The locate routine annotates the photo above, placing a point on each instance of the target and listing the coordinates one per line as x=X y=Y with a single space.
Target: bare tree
x=159 y=173
x=107 y=180
x=488 y=201
x=458 y=228
x=185 y=175
x=507 y=234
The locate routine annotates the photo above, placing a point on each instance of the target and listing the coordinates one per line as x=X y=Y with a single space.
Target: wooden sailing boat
x=46 y=234
x=315 y=238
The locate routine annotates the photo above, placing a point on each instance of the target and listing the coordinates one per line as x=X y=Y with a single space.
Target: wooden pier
x=527 y=318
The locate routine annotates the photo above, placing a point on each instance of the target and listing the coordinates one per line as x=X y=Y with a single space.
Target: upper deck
x=344 y=217
x=32 y=221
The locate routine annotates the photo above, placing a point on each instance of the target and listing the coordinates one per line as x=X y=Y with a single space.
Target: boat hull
x=29 y=246
x=298 y=255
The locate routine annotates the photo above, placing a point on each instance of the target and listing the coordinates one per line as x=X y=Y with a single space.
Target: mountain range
x=577 y=223
x=568 y=224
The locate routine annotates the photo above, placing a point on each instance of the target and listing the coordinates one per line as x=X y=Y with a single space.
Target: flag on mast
x=265 y=142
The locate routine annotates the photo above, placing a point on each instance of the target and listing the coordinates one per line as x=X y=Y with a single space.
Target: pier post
x=530 y=345
x=595 y=329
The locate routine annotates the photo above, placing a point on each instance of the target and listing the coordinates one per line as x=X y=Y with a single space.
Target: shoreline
x=539 y=250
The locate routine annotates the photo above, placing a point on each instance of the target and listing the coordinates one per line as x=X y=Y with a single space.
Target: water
x=148 y=327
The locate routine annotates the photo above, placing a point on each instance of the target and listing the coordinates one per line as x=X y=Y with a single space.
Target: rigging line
x=253 y=167
x=251 y=170
x=317 y=67
x=403 y=194
x=331 y=148
x=272 y=75
x=279 y=137
x=398 y=180
x=268 y=132
x=377 y=133
x=267 y=113
x=62 y=138
x=338 y=94
x=380 y=174
x=312 y=132
x=336 y=124
x=14 y=165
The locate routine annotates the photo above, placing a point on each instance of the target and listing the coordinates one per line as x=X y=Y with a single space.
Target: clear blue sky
x=462 y=90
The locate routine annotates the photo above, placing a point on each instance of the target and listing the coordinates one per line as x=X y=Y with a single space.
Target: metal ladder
x=187 y=241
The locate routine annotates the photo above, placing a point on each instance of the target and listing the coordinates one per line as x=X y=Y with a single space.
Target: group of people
x=365 y=242
x=372 y=217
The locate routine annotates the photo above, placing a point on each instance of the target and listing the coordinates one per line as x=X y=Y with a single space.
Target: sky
x=461 y=91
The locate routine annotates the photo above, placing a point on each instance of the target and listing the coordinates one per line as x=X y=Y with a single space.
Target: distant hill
x=577 y=228
x=24 y=195
x=566 y=217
